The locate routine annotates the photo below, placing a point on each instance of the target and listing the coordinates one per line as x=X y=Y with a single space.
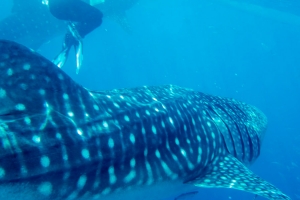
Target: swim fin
x=72 y=38
x=61 y=58
x=78 y=46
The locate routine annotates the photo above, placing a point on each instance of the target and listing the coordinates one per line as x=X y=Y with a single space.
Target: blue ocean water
x=248 y=50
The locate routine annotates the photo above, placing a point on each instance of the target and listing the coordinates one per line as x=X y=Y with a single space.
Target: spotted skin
x=59 y=140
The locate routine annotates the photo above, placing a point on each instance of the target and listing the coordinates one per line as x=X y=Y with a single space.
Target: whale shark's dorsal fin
x=30 y=82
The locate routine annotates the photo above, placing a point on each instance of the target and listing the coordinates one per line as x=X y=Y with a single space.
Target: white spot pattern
x=85 y=153
x=45 y=188
x=45 y=161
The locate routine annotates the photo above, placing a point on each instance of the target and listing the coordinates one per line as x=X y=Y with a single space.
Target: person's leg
x=87 y=17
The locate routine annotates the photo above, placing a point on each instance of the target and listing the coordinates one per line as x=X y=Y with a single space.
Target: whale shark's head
x=243 y=127
x=253 y=118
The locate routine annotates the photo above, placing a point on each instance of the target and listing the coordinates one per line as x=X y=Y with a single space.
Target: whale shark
x=33 y=25
x=59 y=140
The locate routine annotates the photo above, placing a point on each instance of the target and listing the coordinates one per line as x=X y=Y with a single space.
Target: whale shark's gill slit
x=228 y=129
x=226 y=144
x=258 y=147
x=251 y=138
x=254 y=142
x=251 y=156
x=242 y=141
x=238 y=128
x=234 y=144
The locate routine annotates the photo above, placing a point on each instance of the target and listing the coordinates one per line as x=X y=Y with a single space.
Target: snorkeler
x=82 y=18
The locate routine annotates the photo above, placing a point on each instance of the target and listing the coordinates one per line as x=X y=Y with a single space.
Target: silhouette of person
x=82 y=18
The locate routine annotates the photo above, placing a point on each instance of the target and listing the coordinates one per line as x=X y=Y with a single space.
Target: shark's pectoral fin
x=231 y=173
